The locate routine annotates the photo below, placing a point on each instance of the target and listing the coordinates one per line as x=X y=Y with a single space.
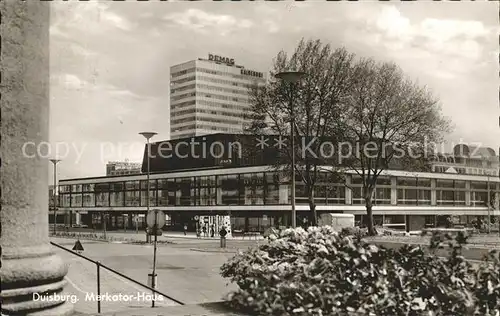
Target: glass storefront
x=269 y=188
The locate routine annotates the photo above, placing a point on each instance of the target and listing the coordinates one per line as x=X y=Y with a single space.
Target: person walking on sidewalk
x=185 y=229
x=212 y=231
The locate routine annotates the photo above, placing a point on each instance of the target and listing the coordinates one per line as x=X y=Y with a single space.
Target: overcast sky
x=110 y=61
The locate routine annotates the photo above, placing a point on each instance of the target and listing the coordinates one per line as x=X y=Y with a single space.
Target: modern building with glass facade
x=209 y=96
x=255 y=196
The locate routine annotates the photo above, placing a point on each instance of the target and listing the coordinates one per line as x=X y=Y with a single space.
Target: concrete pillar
x=29 y=263
x=467 y=193
x=433 y=192
x=394 y=191
x=348 y=191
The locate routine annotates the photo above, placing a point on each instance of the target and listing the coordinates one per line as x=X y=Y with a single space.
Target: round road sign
x=196 y=218
x=160 y=218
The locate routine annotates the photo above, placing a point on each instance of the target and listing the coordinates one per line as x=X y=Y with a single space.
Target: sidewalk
x=191 y=235
x=210 y=309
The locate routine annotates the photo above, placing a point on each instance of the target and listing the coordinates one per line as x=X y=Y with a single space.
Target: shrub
x=320 y=272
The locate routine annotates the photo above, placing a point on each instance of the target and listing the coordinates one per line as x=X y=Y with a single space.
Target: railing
x=99 y=265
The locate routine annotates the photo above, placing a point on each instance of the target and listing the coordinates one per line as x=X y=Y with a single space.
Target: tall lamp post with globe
x=292 y=77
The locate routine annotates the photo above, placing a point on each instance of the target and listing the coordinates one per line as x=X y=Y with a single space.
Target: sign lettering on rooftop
x=226 y=60
x=252 y=73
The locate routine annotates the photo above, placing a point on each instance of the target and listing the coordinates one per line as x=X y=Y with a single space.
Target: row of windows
x=213 y=120
x=247 y=189
x=182 y=72
x=209 y=95
x=222 y=97
x=183 y=104
x=209 y=88
x=191 y=118
x=195 y=110
x=471 y=171
x=221 y=73
x=181 y=81
x=223 y=105
x=220 y=89
x=183 y=96
x=323 y=178
x=184 y=128
x=201 y=119
x=213 y=80
x=188 y=87
x=226 y=82
x=217 y=128
x=270 y=194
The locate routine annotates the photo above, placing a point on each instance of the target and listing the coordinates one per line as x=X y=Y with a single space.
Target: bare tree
x=388 y=119
x=316 y=101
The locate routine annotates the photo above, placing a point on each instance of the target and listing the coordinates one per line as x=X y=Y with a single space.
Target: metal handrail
x=98 y=264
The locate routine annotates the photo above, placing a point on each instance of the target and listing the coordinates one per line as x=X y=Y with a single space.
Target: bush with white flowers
x=320 y=272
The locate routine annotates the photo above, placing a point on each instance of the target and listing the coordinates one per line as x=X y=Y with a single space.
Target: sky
x=110 y=62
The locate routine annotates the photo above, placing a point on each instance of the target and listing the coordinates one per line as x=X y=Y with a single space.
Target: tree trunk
x=312 y=208
x=369 y=218
x=369 y=212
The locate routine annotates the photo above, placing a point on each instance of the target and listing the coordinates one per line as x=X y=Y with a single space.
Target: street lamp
x=292 y=77
x=148 y=136
x=54 y=162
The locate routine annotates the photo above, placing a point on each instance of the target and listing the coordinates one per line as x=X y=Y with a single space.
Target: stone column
x=29 y=263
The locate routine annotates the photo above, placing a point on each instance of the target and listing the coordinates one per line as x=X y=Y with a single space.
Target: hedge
x=321 y=272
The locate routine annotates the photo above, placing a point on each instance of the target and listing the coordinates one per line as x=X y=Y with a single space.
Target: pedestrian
x=185 y=229
x=205 y=231
x=212 y=231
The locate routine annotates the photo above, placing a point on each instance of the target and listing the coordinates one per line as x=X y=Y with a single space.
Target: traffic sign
x=206 y=219
x=160 y=219
x=196 y=218
x=78 y=246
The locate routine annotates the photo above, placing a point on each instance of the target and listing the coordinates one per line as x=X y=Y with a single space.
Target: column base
x=33 y=282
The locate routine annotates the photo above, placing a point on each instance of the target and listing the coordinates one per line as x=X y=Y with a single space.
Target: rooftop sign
x=252 y=73
x=226 y=60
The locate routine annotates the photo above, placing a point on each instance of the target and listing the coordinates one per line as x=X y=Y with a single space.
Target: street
x=188 y=276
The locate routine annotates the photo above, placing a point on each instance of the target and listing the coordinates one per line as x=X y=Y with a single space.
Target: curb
x=214 y=251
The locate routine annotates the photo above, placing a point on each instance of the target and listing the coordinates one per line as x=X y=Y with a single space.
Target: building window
x=445 y=197
x=407 y=196
x=152 y=192
x=185 y=191
x=357 y=196
x=132 y=198
x=382 y=196
x=102 y=199
x=76 y=200
x=206 y=190
x=254 y=188
x=335 y=194
x=88 y=199
x=116 y=198
x=230 y=187
x=272 y=188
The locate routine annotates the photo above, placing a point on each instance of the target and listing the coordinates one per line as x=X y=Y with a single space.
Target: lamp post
x=148 y=136
x=488 y=204
x=292 y=77
x=54 y=162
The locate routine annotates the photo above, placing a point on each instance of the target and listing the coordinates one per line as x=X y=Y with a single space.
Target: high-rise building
x=209 y=96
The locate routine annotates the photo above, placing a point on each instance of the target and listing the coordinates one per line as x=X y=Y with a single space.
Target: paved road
x=188 y=276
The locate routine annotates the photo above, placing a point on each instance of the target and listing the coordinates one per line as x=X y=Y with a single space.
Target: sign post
x=155 y=219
